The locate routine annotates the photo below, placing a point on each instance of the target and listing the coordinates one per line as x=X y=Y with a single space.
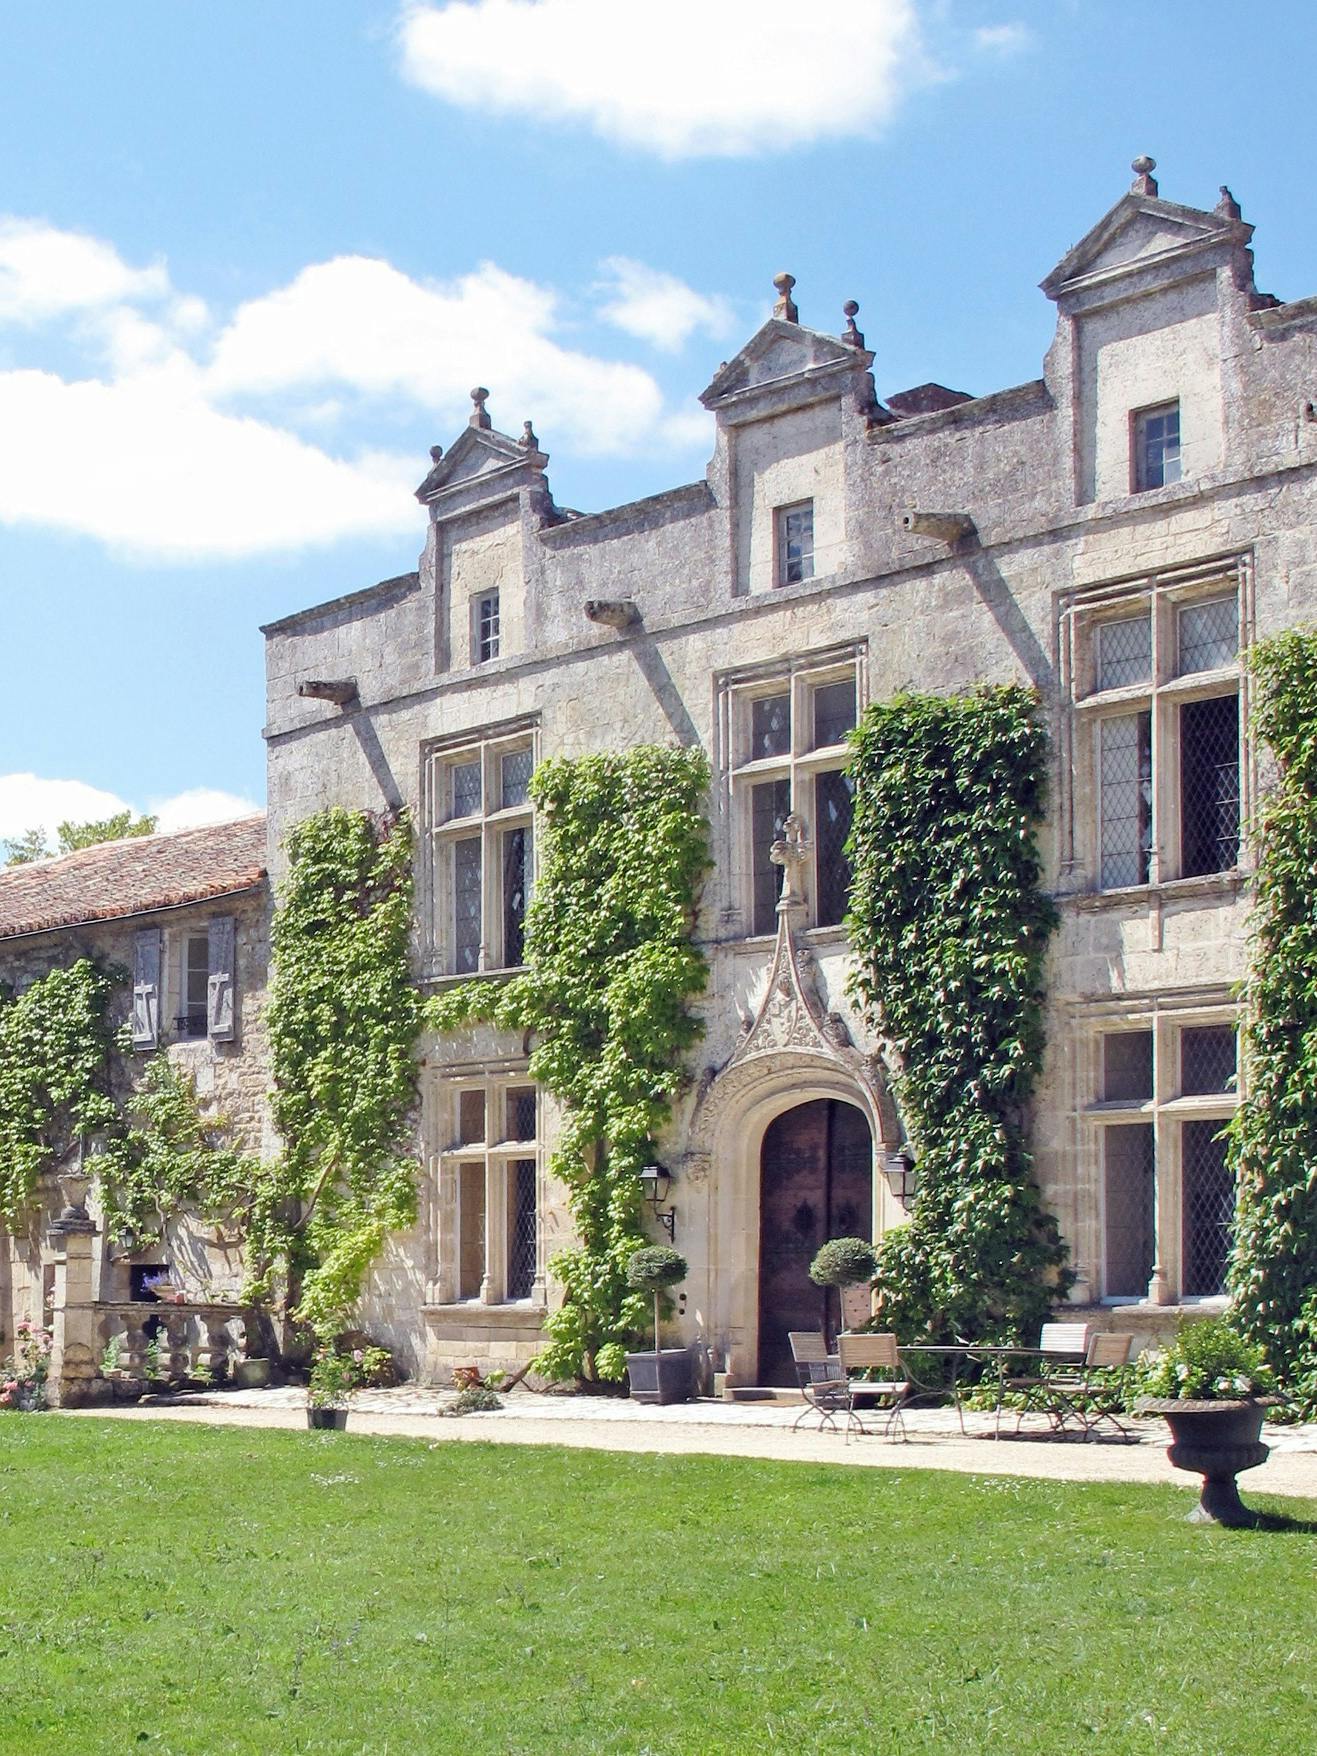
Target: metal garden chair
x=822 y=1383
x=874 y=1352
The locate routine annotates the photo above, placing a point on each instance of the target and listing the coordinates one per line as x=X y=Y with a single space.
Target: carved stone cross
x=791 y=853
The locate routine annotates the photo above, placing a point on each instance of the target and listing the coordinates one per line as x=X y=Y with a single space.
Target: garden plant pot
x=332 y=1420
x=251 y=1374
x=1216 y=1440
x=668 y=1376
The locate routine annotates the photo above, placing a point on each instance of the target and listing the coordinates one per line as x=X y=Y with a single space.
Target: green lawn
x=210 y=1590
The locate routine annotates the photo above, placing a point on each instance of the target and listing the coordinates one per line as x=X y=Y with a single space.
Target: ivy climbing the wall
x=950 y=932
x=343 y=1021
x=611 y=969
x=1273 y=1274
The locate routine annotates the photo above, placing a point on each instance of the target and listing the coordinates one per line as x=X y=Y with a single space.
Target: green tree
x=71 y=837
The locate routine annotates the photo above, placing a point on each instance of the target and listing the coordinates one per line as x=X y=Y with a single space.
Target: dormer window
x=486 y=630
x=1156 y=443
x=795 y=543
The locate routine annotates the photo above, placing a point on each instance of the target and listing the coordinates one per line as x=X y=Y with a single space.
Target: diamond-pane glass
x=521 y=1112
x=1207 y=1059
x=1126 y=799
x=466 y=904
x=514 y=778
x=1209 y=785
x=1207 y=1200
x=833 y=797
x=521 y=1228
x=1129 y=1205
x=516 y=875
x=770 y=726
x=834 y=712
x=1124 y=652
x=470 y=1118
x=1208 y=635
x=770 y=805
x=464 y=778
x=1127 y=1066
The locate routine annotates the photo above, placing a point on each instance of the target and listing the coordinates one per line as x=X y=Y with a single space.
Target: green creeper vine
x=343 y=1022
x=950 y=932
x=611 y=967
x=1273 y=1274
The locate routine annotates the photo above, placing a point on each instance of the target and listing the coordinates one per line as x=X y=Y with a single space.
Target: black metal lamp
x=655 y=1181
x=899 y=1169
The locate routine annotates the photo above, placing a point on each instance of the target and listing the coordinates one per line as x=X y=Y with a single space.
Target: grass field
x=208 y=1590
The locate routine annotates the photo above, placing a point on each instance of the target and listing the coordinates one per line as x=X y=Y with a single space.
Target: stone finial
x=1144 y=182
x=851 y=335
x=785 y=307
x=436 y=453
x=528 y=441
x=478 y=417
x=791 y=853
x=1227 y=206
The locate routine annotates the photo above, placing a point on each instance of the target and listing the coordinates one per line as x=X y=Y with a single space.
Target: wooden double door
x=815 y=1183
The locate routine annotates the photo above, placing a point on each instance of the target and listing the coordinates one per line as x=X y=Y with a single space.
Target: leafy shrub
x=23 y=1378
x=335 y=1374
x=1208 y=1360
x=655 y=1267
x=477 y=1399
x=844 y=1262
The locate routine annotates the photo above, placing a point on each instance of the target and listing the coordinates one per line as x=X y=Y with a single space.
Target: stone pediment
x=1138 y=231
x=780 y=351
x=479 y=451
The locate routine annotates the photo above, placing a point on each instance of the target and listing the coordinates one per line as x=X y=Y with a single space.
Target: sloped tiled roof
x=121 y=878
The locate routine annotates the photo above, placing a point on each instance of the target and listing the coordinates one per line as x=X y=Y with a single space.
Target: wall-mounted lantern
x=902 y=1178
x=655 y=1181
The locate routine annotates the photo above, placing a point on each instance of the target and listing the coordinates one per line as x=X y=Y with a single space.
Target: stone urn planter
x=1216 y=1439
x=666 y=1376
x=251 y=1374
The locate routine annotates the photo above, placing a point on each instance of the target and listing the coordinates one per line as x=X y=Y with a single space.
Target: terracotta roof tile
x=121 y=878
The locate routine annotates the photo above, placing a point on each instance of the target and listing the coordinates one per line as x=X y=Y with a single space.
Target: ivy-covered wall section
x=1274 y=1136
x=950 y=931
x=611 y=968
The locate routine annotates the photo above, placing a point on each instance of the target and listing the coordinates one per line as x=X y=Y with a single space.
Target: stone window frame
x=736 y=690
x=441 y=832
x=1140 y=475
x=1167 y=1017
x=1081 y=613
x=180 y=955
x=494 y=1161
x=781 y=562
x=486 y=627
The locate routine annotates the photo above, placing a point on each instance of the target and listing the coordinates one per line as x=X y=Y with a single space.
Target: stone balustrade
x=194 y=1340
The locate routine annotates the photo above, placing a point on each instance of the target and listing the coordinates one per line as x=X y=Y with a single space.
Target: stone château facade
x=1115 y=533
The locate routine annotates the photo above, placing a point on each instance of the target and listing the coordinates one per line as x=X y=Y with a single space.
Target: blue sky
x=253 y=256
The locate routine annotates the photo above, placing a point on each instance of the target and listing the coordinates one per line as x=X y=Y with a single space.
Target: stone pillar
x=74 y=1369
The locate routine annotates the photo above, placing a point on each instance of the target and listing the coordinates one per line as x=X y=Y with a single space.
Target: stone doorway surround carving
x=793 y=1050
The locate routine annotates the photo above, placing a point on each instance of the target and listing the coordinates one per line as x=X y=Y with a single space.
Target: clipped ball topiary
x=656 y=1266
x=844 y=1262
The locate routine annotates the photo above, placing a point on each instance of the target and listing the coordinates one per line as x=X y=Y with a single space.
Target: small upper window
x=195 y=974
x=487 y=628
x=795 y=543
x=1157 y=446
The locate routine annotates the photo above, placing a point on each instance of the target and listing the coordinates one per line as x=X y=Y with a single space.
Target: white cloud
x=200 y=805
x=676 y=77
x=1003 y=39
x=658 y=307
x=28 y=801
x=45 y=272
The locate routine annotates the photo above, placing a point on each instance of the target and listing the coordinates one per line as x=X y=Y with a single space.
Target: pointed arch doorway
x=815 y=1183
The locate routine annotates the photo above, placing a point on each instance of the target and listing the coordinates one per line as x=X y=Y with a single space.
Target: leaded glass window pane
x=1129 y=1208
x=470 y=1118
x=521 y=1112
x=1208 y=635
x=1124 y=652
x=1157 y=446
x=796 y=539
x=467 y=794
x=1125 y=782
x=514 y=778
x=1207 y=1198
x=521 y=1228
x=1209 y=785
x=834 y=712
x=1208 y=1055
x=833 y=796
x=466 y=904
x=516 y=878
x=770 y=726
x=770 y=805
x=1127 y=1067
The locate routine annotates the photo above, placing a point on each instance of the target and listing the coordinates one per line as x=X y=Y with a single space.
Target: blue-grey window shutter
x=221 y=1012
x=146 y=988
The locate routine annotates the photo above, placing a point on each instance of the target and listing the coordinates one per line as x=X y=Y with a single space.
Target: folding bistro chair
x=1098 y=1399
x=1060 y=1345
x=822 y=1383
x=874 y=1352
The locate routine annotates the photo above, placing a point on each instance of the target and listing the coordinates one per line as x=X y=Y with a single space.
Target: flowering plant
x=335 y=1375
x=164 y=1287
x=23 y=1378
x=1207 y=1361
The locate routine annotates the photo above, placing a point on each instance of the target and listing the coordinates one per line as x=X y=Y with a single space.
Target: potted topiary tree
x=845 y=1263
x=1211 y=1387
x=666 y=1374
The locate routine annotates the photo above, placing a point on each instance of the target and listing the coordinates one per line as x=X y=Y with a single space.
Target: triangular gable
x=781 y=350
x=1141 y=229
x=476 y=452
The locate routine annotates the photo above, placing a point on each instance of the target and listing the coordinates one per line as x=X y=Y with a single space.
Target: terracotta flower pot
x=1216 y=1440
